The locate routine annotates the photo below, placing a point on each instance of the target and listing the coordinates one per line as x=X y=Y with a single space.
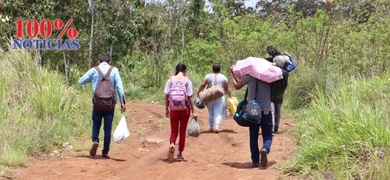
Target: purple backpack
x=178 y=94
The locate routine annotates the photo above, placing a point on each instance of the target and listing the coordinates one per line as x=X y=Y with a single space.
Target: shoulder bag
x=212 y=93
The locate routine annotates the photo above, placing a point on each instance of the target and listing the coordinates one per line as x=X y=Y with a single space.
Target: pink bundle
x=258 y=68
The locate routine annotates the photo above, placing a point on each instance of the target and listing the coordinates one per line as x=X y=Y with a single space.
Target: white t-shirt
x=219 y=79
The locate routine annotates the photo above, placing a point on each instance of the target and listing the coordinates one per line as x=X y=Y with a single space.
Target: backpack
x=253 y=112
x=248 y=113
x=178 y=94
x=104 y=95
x=253 y=109
x=278 y=87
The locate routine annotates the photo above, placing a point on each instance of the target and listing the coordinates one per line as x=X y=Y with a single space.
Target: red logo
x=44 y=29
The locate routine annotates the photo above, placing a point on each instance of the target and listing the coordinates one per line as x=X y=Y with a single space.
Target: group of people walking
x=179 y=109
x=263 y=95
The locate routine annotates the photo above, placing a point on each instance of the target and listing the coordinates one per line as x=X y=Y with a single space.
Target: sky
x=250 y=3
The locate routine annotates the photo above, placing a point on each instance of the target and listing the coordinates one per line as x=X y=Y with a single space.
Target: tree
x=92 y=11
x=196 y=11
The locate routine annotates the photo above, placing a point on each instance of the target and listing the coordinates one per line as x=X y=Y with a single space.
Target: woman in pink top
x=178 y=113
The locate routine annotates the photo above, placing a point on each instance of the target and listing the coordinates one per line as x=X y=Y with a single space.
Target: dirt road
x=210 y=156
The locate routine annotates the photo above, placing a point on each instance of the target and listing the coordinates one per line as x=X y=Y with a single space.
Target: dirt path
x=210 y=156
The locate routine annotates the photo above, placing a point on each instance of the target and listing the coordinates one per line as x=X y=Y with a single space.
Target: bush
x=343 y=132
x=38 y=109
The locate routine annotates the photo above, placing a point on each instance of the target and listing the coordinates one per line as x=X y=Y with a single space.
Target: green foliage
x=161 y=123
x=138 y=77
x=13 y=156
x=201 y=52
x=6 y=172
x=146 y=39
x=41 y=112
x=344 y=132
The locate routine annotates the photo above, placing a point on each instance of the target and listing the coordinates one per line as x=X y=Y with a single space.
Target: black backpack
x=248 y=113
x=278 y=87
x=104 y=95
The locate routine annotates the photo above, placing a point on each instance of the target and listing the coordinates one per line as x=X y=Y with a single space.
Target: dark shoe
x=263 y=157
x=255 y=165
x=95 y=145
x=105 y=156
x=276 y=129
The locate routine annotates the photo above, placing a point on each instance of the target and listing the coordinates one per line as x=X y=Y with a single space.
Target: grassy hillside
x=344 y=133
x=38 y=111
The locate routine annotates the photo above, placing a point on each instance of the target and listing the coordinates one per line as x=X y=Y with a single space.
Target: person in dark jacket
x=277 y=101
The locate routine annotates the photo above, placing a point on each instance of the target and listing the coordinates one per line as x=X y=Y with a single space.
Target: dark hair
x=104 y=58
x=180 y=68
x=272 y=51
x=216 y=67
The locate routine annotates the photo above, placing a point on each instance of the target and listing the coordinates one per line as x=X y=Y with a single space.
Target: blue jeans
x=97 y=116
x=266 y=131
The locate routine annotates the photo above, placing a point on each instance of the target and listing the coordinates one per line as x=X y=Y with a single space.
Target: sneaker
x=105 y=156
x=180 y=158
x=95 y=145
x=263 y=157
x=255 y=165
x=171 y=152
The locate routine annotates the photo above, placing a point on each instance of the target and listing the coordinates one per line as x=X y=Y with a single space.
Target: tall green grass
x=38 y=111
x=344 y=132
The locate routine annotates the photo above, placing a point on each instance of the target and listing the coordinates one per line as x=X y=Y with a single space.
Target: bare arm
x=166 y=106
x=192 y=107
x=226 y=87
x=237 y=85
x=202 y=86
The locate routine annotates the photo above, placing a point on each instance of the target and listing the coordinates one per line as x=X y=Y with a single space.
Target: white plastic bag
x=225 y=112
x=121 y=132
x=193 y=128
